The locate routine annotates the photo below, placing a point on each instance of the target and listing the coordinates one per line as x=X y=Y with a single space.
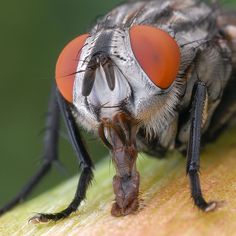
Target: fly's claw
x=39 y=219
x=211 y=206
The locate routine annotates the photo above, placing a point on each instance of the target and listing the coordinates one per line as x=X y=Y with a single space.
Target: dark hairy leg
x=193 y=154
x=50 y=154
x=84 y=181
x=85 y=163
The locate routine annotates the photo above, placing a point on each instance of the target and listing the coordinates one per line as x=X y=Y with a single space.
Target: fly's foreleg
x=193 y=154
x=85 y=163
x=84 y=181
x=49 y=153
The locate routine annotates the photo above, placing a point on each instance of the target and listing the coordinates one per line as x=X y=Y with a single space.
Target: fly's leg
x=85 y=163
x=49 y=153
x=84 y=181
x=193 y=154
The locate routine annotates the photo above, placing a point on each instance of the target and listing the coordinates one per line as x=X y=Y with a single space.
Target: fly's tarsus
x=83 y=184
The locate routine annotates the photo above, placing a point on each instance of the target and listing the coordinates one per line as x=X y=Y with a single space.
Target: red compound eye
x=67 y=65
x=157 y=53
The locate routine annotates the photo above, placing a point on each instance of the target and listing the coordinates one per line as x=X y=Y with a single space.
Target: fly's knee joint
x=193 y=168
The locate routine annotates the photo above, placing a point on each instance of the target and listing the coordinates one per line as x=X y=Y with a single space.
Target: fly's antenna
x=103 y=61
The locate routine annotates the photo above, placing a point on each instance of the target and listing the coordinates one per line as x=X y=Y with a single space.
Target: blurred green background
x=32 y=36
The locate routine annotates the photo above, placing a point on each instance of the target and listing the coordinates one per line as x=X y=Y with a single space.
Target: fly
x=150 y=76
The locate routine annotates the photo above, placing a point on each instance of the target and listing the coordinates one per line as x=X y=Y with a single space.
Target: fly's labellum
x=150 y=76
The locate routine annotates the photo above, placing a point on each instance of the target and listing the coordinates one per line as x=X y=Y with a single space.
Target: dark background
x=32 y=34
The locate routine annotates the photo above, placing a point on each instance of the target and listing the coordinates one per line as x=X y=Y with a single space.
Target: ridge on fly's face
x=150 y=76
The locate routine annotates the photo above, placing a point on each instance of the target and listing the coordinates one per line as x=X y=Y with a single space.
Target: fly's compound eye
x=66 y=66
x=157 y=53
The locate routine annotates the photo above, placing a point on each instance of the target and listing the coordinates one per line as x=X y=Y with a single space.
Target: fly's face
x=119 y=80
x=119 y=70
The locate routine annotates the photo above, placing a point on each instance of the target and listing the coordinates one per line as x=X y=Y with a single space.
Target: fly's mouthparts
x=119 y=135
x=126 y=195
x=118 y=132
x=126 y=181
